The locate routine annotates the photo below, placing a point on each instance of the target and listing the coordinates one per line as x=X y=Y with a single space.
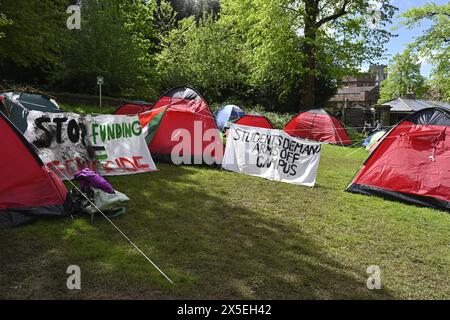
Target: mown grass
x=219 y=234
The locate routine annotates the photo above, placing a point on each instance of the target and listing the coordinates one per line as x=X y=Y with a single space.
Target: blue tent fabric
x=369 y=137
x=367 y=140
x=228 y=113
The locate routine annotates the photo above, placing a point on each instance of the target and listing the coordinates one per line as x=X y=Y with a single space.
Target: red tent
x=134 y=107
x=187 y=112
x=318 y=125
x=27 y=187
x=255 y=121
x=412 y=162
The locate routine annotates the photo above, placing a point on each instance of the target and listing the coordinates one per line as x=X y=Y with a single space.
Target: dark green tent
x=16 y=105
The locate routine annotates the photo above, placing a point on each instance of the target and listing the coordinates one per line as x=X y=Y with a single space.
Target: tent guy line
x=32 y=145
x=112 y=223
x=413 y=166
x=158 y=108
x=293 y=130
x=354 y=151
x=210 y=117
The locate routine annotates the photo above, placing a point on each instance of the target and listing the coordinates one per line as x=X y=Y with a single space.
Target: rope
x=114 y=225
x=291 y=130
x=354 y=151
x=212 y=118
x=107 y=219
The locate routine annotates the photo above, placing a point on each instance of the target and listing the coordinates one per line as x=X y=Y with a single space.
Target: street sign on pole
x=100 y=81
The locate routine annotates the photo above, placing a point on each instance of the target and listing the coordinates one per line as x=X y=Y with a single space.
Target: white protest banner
x=107 y=144
x=271 y=154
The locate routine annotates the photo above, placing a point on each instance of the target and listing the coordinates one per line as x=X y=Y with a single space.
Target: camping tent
x=318 y=125
x=187 y=113
x=374 y=138
x=253 y=120
x=133 y=107
x=27 y=188
x=228 y=113
x=412 y=162
x=33 y=101
x=17 y=104
x=402 y=107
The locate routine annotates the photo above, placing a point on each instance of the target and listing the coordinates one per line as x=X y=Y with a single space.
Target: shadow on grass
x=209 y=246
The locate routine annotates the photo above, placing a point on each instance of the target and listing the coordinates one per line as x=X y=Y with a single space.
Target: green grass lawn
x=88 y=109
x=219 y=234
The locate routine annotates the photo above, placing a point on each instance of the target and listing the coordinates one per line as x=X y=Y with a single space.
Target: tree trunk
x=308 y=91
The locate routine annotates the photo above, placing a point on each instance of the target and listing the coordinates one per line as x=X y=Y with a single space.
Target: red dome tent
x=253 y=120
x=187 y=111
x=27 y=187
x=318 y=125
x=133 y=107
x=412 y=162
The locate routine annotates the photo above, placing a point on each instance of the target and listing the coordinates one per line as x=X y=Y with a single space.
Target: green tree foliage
x=34 y=32
x=270 y=52
x=115 y=41
x=308 y=39
x=403 y=77
x=195 y=8
x=440 y=81
x=434 y=43
x=4 y=21
x=270 y=43
x=206 y=55
x=165 y=20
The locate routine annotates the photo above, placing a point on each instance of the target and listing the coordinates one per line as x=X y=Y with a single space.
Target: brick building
x=357 y=94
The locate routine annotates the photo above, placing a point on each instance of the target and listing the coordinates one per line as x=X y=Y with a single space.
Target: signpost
x=100 y=81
